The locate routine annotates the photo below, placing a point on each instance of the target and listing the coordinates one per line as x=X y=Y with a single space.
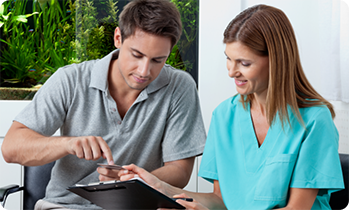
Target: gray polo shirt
x=163 y=124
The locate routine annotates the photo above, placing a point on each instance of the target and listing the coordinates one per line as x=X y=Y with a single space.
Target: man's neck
x=123 y=95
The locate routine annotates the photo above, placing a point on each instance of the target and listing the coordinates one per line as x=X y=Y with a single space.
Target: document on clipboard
x=131 y=194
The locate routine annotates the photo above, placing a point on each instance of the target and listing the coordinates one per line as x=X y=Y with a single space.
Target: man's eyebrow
x=137 y=51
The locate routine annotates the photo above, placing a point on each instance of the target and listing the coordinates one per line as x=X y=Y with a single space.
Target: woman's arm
x=201 y=200
x=301 y=198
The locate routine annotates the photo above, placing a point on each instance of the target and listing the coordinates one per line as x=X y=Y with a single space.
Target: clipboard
x=131 y=194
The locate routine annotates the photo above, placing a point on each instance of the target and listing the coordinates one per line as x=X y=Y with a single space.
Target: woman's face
x=250 y=71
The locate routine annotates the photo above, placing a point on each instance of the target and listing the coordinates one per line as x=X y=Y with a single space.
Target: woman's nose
x=233 y=71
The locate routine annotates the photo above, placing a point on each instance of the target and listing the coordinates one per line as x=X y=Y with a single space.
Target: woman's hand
x=133 y=170
x=190 y=205
x=200 y=200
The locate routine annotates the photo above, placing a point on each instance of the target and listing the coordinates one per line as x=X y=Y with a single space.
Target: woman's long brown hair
x=267 y=31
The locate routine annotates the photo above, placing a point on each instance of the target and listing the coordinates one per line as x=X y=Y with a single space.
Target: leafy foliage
x=18 y=57
x=60 y=32
x=35 y=42
x=186 y=48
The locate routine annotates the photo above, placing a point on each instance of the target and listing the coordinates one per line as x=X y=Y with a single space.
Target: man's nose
x=144 y=68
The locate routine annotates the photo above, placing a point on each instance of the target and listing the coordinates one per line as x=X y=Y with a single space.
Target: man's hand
x=89 y=148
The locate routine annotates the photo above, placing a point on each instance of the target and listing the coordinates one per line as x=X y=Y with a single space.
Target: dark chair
x=340 y=199
x=36 y=179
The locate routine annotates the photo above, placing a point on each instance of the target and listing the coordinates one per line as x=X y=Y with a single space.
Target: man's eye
x=136 y=56
x=157 y=61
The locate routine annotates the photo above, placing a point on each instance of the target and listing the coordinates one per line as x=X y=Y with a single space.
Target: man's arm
x=27 y=147
x=176 y=173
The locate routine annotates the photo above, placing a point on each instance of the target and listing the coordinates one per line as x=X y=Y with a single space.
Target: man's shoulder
x=75 y=72
x=77 y=67
x=178 y=76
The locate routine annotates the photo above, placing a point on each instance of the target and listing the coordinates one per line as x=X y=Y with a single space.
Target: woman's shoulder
x=318 y=115
x=315 y=113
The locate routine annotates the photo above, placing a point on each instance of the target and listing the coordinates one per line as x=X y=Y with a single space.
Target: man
x=128 y=107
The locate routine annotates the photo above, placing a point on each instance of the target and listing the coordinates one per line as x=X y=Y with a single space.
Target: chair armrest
x=5 y=191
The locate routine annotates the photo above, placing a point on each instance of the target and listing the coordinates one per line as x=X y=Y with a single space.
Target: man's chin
x=138 y=87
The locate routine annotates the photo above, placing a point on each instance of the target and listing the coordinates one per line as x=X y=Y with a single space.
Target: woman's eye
x=245 y=63
x=228 y=58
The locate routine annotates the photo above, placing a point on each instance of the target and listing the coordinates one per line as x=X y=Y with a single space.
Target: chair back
x=36 y=179
x=340 y=199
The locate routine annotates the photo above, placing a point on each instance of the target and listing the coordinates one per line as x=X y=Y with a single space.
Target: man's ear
x=117 y=38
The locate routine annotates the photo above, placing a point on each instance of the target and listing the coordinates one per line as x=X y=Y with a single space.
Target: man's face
x=141 y=57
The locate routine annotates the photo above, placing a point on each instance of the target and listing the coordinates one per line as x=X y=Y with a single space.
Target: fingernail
x=111 y=162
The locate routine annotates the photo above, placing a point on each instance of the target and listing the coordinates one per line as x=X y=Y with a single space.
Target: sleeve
x=208 y=165
x=47 y=111
x=318 y=165
x=184 y=135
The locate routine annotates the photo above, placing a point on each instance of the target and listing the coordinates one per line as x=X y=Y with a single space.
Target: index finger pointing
x=106 y=151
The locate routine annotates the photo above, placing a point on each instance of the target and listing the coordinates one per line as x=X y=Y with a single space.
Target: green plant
x=62 y=32
x=108 y=18
x=184 y=55
x=17 y=58
x=8 y=14
x=176 y=61
x=94 y=37
x=53 y=35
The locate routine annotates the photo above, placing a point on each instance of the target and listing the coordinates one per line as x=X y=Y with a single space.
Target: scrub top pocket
x=275 y=178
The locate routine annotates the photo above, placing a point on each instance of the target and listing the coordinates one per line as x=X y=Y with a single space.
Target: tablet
x=131 y=194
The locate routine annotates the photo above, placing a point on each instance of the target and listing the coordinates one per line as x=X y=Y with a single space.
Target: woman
x=274 y=145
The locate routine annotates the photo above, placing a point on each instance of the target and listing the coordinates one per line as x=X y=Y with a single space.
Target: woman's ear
x=117 y=38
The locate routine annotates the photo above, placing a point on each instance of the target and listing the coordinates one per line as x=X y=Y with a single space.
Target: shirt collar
x=99 y=73
x=162 y=80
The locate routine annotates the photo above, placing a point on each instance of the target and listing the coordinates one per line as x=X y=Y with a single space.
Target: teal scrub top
x=259 y=177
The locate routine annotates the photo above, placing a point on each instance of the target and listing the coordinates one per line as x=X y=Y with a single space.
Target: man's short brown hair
x=158 y=17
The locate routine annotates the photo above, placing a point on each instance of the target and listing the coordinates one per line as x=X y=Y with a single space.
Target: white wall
x=214 y=83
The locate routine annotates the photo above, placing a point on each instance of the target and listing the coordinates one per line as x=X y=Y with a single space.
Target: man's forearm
x=26 y=147
x=176 y=173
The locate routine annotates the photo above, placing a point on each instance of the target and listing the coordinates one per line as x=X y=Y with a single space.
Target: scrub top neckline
x=251 y=125
x=254 y=154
